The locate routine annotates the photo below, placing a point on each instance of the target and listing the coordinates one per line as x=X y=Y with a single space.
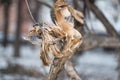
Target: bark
x=71 y=72
x=57 y=66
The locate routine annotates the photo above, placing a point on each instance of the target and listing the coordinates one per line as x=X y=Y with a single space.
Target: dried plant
x=62 y=39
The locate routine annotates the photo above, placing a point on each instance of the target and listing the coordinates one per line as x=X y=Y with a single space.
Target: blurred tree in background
x=6 y=4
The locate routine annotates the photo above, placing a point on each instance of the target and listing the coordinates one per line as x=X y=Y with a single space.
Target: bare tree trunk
x=18 y=30
x=6 y=23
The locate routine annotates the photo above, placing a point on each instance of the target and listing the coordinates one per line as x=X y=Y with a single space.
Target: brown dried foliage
x=60 y=38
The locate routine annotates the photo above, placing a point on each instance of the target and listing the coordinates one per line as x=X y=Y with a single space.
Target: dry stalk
x=60 y=40
x=62 y=11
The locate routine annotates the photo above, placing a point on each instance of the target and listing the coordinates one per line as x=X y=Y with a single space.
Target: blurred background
x=99 y=55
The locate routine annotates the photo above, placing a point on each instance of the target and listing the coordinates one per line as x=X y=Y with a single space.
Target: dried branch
x=71 y=72
x=73 y=40
x=58 y=65
x=93 y=41
x=61 y=40
x=109 y=27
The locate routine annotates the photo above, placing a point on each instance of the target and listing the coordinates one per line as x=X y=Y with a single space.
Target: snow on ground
x=17 y=77
x=29 y=58
x=97 y=65
x=91 y=65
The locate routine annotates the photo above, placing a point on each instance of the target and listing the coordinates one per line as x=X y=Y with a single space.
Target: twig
x=69 y=68
x=109 y=27
x=58 y=65
x=33 y=19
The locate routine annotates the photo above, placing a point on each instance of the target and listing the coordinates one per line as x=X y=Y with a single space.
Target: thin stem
x=29 y=10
